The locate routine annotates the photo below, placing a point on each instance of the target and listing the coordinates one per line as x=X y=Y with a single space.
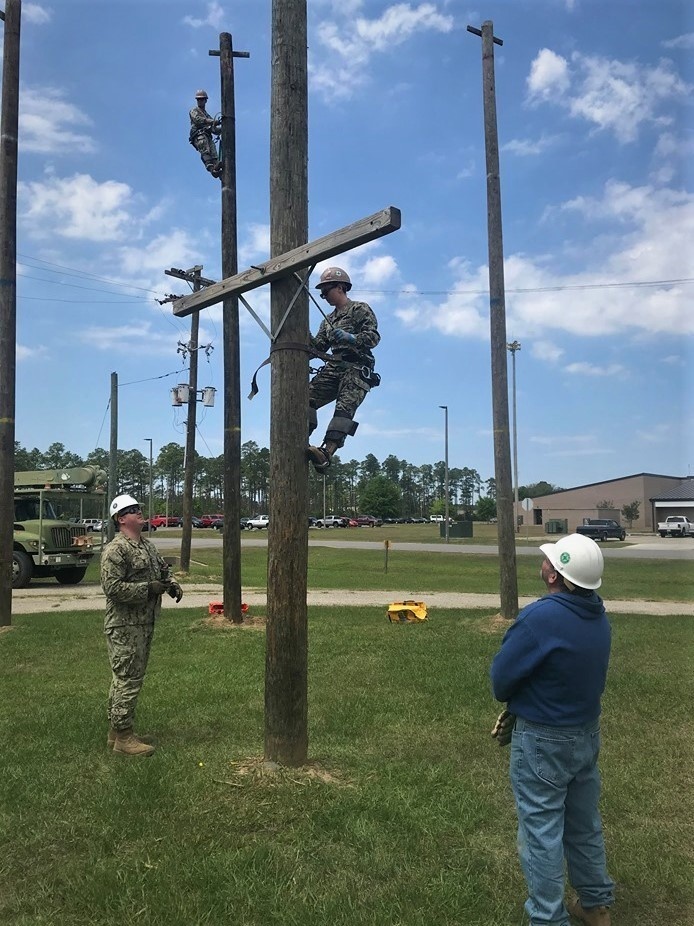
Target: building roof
x=606 y=482
x=684 y=492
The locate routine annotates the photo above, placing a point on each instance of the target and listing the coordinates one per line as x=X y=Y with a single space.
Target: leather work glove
x=174 y=591
x=342 y=337
x=503 y=728
x=156 y=587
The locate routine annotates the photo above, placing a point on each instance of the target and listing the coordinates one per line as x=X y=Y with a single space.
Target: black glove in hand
x=156 y=587
x=503 y=728
x=175 y=591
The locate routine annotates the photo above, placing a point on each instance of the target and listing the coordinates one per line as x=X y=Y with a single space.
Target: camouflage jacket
x=358 y=319
x=126 y=570
x=201 y=121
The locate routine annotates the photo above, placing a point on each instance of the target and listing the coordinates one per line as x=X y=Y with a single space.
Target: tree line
x=388 y=488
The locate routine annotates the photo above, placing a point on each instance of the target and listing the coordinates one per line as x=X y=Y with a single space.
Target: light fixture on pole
x=149 y=506
x=445 y=463
x=513 y=347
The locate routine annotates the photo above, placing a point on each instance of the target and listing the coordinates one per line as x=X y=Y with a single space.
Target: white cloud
x=214 y=18
x=77 y=207
x=525 y=147
x=583 y=368
x=351 y=42
x=47 y=124
x=549 y=76
x=653 y=226
x=547 y=350
x=141 y=338
x=682 y=41
x=612 y=95
x=28 y=353
x=35 y=14
x=256 y=243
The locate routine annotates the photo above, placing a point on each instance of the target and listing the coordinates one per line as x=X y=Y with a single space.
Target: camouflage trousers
x=336 y=382
x=204 y=143
x=128 y=652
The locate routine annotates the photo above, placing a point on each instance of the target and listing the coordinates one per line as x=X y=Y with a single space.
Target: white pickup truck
x=676 y=526
x=258 y=523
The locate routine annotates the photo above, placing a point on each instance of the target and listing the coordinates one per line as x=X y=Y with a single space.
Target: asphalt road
x=639 y=546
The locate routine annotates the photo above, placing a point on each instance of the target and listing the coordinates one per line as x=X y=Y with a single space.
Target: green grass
x=412 y=823
x=414 y=573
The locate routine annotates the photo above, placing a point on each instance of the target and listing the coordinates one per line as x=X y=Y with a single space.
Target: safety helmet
x=201 y=94
x=576 y=558
x=120 y=502
x=335 y=275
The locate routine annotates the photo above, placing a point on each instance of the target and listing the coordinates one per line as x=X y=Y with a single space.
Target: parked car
x=160 y=520
x=93 y=524
x=207 y=519
x=244 y=523
x=436 y=518
x=150 y=528
x=368 y=520
x=676 y=526
x=217 y=524
x=602 y=529
x=196 y=522
x=258 y=523
x=332 y=520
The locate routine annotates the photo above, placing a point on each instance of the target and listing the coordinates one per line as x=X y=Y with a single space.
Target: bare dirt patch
x=496 y=623
x=219 y=622
x=257 y=769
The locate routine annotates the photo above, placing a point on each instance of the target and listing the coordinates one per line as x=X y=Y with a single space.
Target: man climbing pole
x=350 y=331
x=202 y=127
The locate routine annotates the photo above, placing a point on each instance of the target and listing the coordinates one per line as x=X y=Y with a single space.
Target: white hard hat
x=120 y=502
x=201 y=94
x=334 y=275
x=576 y=558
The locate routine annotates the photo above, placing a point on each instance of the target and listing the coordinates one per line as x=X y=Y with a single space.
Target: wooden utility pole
x=9 y=127
x=194 y=277
x=230 y=336
x=286 y=655
x=113 y=453
x=497 y=319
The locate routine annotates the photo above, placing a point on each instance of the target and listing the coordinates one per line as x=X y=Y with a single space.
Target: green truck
x=45 y=544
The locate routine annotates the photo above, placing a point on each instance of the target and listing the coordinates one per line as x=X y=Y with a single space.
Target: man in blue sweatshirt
x=551 y=671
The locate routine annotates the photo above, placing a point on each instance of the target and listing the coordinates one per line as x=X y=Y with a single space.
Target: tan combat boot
x=593 y=916
x=128 y=744
x=143 y=738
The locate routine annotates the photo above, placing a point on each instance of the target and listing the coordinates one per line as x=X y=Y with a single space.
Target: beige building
x=655 y=495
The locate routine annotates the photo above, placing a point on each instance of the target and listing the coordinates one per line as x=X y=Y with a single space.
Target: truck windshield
x=29 y=509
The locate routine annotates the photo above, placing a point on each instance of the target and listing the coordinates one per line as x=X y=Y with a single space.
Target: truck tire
x=22 y=569
x=70 y=576
x=663 y=533
x=623 y=535
x=603 y=537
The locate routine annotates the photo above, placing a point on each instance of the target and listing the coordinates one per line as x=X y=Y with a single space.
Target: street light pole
x=445 y=463
x=513 y=347
x=149 y=506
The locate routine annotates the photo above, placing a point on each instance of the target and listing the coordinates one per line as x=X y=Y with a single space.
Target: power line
x=528 y=290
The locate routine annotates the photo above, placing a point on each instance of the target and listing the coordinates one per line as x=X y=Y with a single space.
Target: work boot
x=593 y=916
x=143 y=738
x=128 y=744
x=320 y=458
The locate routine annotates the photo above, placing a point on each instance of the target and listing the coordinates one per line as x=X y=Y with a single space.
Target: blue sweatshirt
x=552 y=665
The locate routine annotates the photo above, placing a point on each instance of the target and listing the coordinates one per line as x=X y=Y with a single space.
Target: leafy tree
x=485 y=509
x=26 y=459
x=369 y=467
x=380 y=497
x=490 y=486
x=57 y=457
x=604 y=504
x=536 y=489
x=631 y=511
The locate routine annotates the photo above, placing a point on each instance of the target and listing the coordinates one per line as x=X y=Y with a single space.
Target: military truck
x=44 y=544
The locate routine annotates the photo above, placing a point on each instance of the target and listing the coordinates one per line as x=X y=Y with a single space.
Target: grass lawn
x=405 y=817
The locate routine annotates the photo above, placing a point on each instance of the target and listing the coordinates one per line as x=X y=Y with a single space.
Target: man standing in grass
x=551 y=669
x=134 y=577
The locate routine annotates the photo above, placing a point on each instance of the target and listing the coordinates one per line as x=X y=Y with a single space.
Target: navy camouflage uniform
x=345 y=376
x=202 y=125
x=127 y=568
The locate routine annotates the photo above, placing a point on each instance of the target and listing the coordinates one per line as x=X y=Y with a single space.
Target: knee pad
x=340 y=428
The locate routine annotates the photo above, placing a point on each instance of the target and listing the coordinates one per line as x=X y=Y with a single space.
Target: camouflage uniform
x=127 y=568
x=200 y=137
x=344 y=377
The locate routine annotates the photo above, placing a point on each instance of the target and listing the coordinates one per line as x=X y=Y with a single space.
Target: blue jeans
x=556 y=784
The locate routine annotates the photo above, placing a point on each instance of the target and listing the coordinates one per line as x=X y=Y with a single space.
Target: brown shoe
x=593 y=916
x=127 y=744
x=319 y=457
x=142 y=737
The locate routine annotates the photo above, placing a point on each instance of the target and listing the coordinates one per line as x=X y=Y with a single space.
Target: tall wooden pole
x=9 y=127
x=191 y=424
x=230 y=332
x=286 y=661
x=508 y=585
x=113 y=453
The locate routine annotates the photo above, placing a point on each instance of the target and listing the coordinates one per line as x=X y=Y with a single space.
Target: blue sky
x=594 y=106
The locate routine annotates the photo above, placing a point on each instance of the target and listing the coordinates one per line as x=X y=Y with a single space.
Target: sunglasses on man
x=132 y=509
